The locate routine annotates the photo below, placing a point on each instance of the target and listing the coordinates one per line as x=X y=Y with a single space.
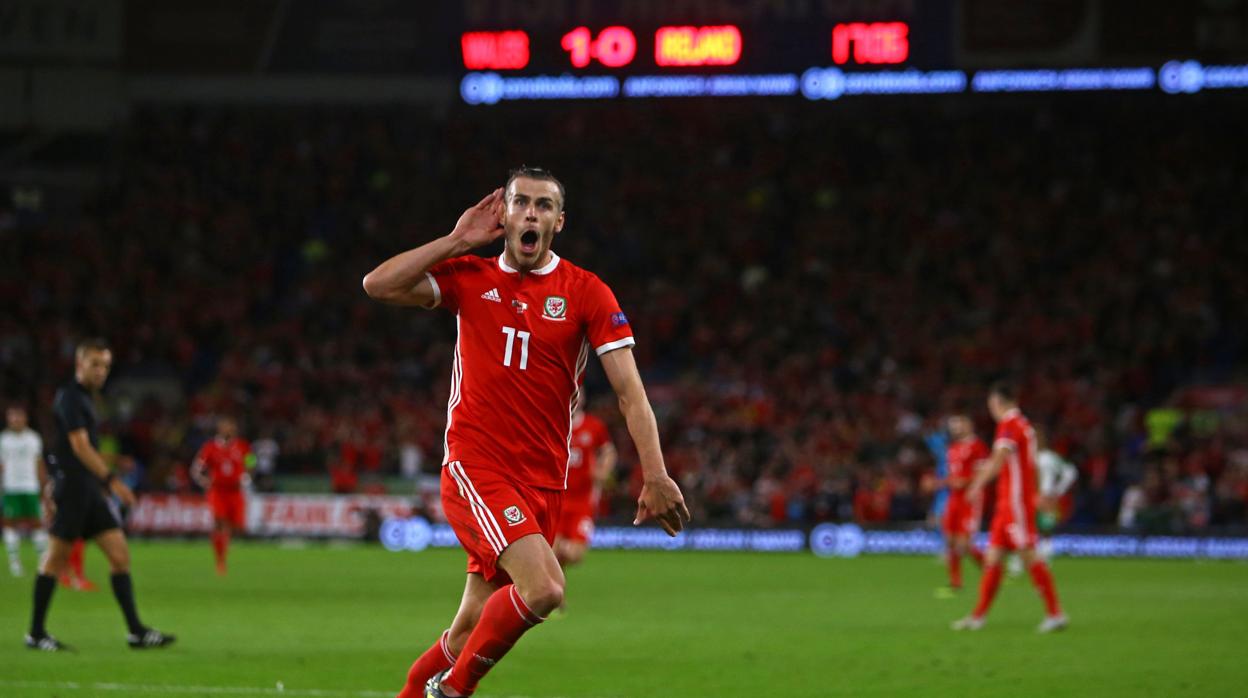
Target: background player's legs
x=51 y=567
x=13 y=544
x=220 y=542
x=569 y=552
x=22 y=515
x=510 y=611
x=966 y=546
x=953 y=555
x=40 y=538
x=441 y=655
x=1042 y=578
x=73 y=574
x=989 y=582
x=113 y=543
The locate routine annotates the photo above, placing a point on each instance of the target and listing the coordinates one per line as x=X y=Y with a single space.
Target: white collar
x=541 y=271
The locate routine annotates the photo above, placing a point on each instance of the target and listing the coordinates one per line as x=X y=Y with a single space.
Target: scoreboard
x=702 y=48
x=819 y=58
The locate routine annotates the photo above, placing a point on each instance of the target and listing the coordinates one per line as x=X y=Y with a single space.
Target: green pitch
x=346 y=623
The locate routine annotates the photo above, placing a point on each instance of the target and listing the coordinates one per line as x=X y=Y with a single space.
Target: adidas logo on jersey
x=492 y=295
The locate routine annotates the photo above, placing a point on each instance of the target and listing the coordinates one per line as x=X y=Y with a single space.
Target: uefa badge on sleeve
x=555 y=308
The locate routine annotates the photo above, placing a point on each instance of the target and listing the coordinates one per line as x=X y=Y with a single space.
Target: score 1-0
x=614 y=47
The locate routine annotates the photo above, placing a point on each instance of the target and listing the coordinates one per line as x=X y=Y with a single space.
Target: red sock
x=503 y=620
x=436 y=658
x=955 y=568
x=977 y=556
x=220 y=543
x=1043 y=579
x=987 y=589
x=75 y=559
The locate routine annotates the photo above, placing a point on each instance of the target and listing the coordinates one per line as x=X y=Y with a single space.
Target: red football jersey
x=520 y=358
x=226 y=462
x=963 y=456
x=1017 y=484
x=588 y=435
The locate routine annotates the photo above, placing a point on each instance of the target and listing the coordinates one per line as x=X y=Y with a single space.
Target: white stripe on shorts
x=485 y=518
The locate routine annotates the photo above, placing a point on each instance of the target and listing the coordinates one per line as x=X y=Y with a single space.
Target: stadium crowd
x=812 y=289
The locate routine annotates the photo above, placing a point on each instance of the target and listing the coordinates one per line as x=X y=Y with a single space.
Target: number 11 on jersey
x=511 y=333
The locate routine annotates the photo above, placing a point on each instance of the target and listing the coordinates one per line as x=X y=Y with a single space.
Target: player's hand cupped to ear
x=483 y=223
x=662 y=500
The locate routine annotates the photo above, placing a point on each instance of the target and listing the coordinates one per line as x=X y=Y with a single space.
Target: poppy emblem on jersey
x=514 y=516
x=555 y=308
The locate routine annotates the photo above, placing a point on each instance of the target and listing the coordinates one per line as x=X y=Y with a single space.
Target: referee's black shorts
x=82 y=511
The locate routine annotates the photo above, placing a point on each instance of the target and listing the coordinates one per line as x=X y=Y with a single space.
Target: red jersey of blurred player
x=221 y=468
x=591 y=458
x=1014 y=521
x=963 y=510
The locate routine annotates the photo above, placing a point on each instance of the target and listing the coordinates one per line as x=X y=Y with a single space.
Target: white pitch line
x=166 y=689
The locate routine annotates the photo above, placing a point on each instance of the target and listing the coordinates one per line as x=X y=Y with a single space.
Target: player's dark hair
x=92 y=344
x=1005 y=389
x=537 y=173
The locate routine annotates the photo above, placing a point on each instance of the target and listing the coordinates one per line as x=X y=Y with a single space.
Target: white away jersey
x=20 y=452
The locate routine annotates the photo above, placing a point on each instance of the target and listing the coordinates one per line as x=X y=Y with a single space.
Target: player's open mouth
x=528 y=241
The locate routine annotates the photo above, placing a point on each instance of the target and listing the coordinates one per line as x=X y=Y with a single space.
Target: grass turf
x=347 y=621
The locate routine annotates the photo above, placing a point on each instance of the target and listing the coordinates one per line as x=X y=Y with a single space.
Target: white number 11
x=511 y=333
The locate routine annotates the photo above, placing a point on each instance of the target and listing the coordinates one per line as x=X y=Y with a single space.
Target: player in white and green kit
x=1056 y=475
x=21 y=460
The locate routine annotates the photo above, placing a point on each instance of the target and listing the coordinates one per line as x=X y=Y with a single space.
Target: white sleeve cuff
x=437 y=291
x=1005 y=443
x=617 y=344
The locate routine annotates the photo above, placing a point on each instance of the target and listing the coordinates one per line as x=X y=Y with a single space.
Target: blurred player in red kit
x=1014 y=521
x=527 y=321
x=221 y=468
x=75 y=576
x=963 y=511
x=591 y=458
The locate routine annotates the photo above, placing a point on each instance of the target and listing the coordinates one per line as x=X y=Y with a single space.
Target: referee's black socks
x=123 y=589
x=44 y=586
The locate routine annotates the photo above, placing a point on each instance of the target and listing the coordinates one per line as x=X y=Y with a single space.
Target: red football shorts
x=1008 y=534
x=576 y=522
x=228 y=505
x=961 y=517
x=489 y=512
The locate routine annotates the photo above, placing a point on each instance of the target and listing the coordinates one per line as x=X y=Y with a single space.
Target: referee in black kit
x=81 y=505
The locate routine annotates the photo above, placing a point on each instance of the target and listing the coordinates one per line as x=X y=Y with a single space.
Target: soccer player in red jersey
x=963 y=510
x=591 y=458
x=221 y=468
x=1014 y=522
x=527 y=322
